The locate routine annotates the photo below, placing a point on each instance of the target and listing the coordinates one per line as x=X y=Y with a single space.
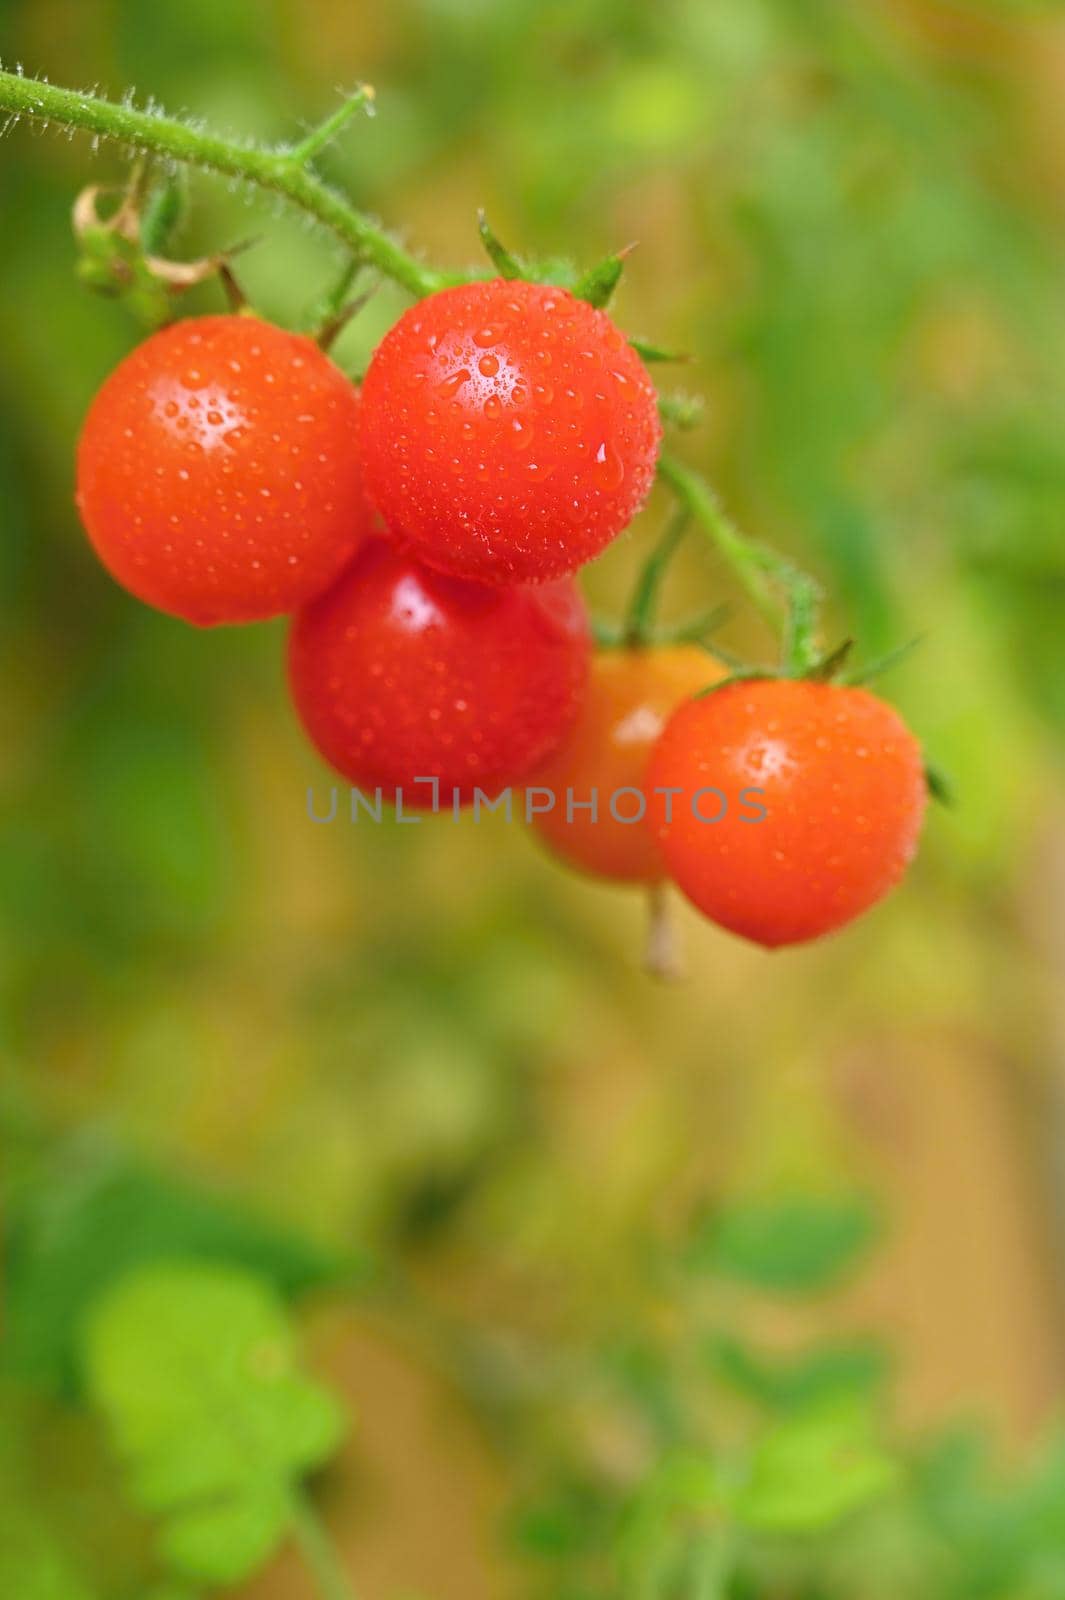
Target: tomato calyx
x=802 y=659
x=652 y=353
x=939 y=785
x=831 y=669
x=330 y=323
x=832 y=666
x=123 y=254
x=596 y=286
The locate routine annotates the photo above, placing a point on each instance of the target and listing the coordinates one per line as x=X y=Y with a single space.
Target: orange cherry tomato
x=841 y=793
x=631 y=695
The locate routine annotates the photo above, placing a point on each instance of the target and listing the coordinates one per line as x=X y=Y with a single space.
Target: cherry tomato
x=795 y=806
x=218 y=474
x=509 y=431
x=630 y=696
x=399 y=673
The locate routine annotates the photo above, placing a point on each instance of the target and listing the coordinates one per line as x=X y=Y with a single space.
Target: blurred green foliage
x=193 y=1371
x=89 y=1217
x=414 y=1065
x=798 y=1245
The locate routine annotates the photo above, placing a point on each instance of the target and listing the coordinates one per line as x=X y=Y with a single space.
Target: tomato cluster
x=424 y=533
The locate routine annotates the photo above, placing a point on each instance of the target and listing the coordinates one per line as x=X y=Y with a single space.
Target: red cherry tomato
x=509 y=431
x=840 y=781
x=399 y=673
x=630 y=696
x=218 y=474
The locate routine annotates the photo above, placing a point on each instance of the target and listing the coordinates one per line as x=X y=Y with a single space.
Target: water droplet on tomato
x=610 y=469
x=453 y=383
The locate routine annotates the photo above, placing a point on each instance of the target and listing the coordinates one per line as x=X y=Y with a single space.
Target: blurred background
x=435 y=1050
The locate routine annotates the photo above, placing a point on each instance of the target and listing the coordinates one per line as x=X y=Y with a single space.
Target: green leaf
x=90 y=1217
x=683 y=1490
x=849 y=1367
x=573 y=1517
x=811 y=1472
x=193 y=1370
x=795 y=1246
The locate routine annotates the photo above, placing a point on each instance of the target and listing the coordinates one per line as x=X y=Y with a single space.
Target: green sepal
x=882 y=664
x=693 y=630
x=116 y=267
x=654 y=352
x=507 y=265
x=827 y=669
x=939 y=785
x=684 y=411
x=163 y=214
x=741 y=675
x=597 y=285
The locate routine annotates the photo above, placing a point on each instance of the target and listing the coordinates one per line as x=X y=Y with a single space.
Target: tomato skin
x=509 y=432
x=631 y=695
x=400 y=673
x=218 y=474
x=844 y=792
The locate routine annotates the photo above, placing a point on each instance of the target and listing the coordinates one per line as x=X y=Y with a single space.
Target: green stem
x=335 y=300
x=606 y=635
x=762 y=573
x=278 y=171
x=318 y=138
x=692 y=630
x=318 y=1552
x=712 y=1567
x=645 y=595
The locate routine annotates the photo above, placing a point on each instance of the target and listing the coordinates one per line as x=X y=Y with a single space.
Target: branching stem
x=784 y=596
x=318 y=1552
x=767 y=578
x=645 y=595
x=322 y=136
x=281 y=172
